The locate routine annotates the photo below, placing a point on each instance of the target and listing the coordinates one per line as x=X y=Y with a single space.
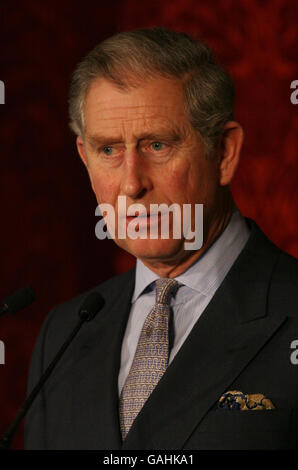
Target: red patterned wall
x=47 y=207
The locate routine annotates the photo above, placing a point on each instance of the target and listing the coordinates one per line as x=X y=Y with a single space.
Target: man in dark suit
x=194 y=347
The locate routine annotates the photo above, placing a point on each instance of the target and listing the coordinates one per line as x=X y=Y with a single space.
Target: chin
x=152 y=249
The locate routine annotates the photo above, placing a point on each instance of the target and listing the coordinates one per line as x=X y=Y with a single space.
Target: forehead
x=159 y=101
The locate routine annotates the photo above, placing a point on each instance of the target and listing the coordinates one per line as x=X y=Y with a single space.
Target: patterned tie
x=151 y=357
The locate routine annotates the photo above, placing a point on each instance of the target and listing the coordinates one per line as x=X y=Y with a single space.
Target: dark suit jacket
x=242 y=341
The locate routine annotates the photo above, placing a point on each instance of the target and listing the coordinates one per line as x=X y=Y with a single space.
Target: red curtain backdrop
x=47 y=206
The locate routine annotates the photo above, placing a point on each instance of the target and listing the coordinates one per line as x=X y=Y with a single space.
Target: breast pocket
x=243 y=430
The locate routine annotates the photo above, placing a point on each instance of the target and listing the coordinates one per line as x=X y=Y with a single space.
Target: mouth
x=144 y=220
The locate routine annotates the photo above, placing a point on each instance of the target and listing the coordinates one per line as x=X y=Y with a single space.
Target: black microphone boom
x=17 y=301
x=91 y=306
x=89 y=309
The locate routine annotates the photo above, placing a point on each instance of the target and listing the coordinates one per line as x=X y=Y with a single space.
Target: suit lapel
x=233 y=328
x=95 y=380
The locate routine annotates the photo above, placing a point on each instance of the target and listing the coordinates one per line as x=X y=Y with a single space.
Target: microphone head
x=91 y=306
x=19 y=300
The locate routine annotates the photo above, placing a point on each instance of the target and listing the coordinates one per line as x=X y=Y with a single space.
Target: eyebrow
x=98 y=139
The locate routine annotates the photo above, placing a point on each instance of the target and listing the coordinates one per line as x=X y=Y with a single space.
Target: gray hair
x=126 y=58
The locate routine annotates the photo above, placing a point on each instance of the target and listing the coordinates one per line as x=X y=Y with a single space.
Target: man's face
x=140 y=144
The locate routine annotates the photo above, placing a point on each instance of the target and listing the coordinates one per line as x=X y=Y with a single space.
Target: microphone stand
x=6 y=439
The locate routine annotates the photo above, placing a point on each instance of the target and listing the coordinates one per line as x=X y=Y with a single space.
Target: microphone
x=17 y=301
x=88 y=310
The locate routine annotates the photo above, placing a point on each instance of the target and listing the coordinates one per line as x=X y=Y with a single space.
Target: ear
x=230 y=148
x=83 y=155
x=81 y=150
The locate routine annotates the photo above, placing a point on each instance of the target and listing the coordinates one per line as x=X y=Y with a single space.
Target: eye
x=107 y=150
x=157 y=146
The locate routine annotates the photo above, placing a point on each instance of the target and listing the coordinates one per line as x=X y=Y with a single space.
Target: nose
x=135 y=181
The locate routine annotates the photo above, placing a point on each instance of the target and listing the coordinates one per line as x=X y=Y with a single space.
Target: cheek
x=104 y=187
x=177 y=183
x=194 y=183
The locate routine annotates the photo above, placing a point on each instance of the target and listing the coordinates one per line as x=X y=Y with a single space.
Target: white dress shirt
x=200 y=281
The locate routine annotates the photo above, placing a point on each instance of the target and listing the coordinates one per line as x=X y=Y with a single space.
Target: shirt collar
x=205 y=275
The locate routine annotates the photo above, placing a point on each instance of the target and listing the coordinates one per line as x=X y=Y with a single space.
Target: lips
x=144 y=219
x=143 y=216
x=146 y=215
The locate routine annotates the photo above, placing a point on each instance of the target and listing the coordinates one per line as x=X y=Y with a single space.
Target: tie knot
x=165 y=288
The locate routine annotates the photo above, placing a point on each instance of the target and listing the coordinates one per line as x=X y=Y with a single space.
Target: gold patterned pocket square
x=236 y=400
